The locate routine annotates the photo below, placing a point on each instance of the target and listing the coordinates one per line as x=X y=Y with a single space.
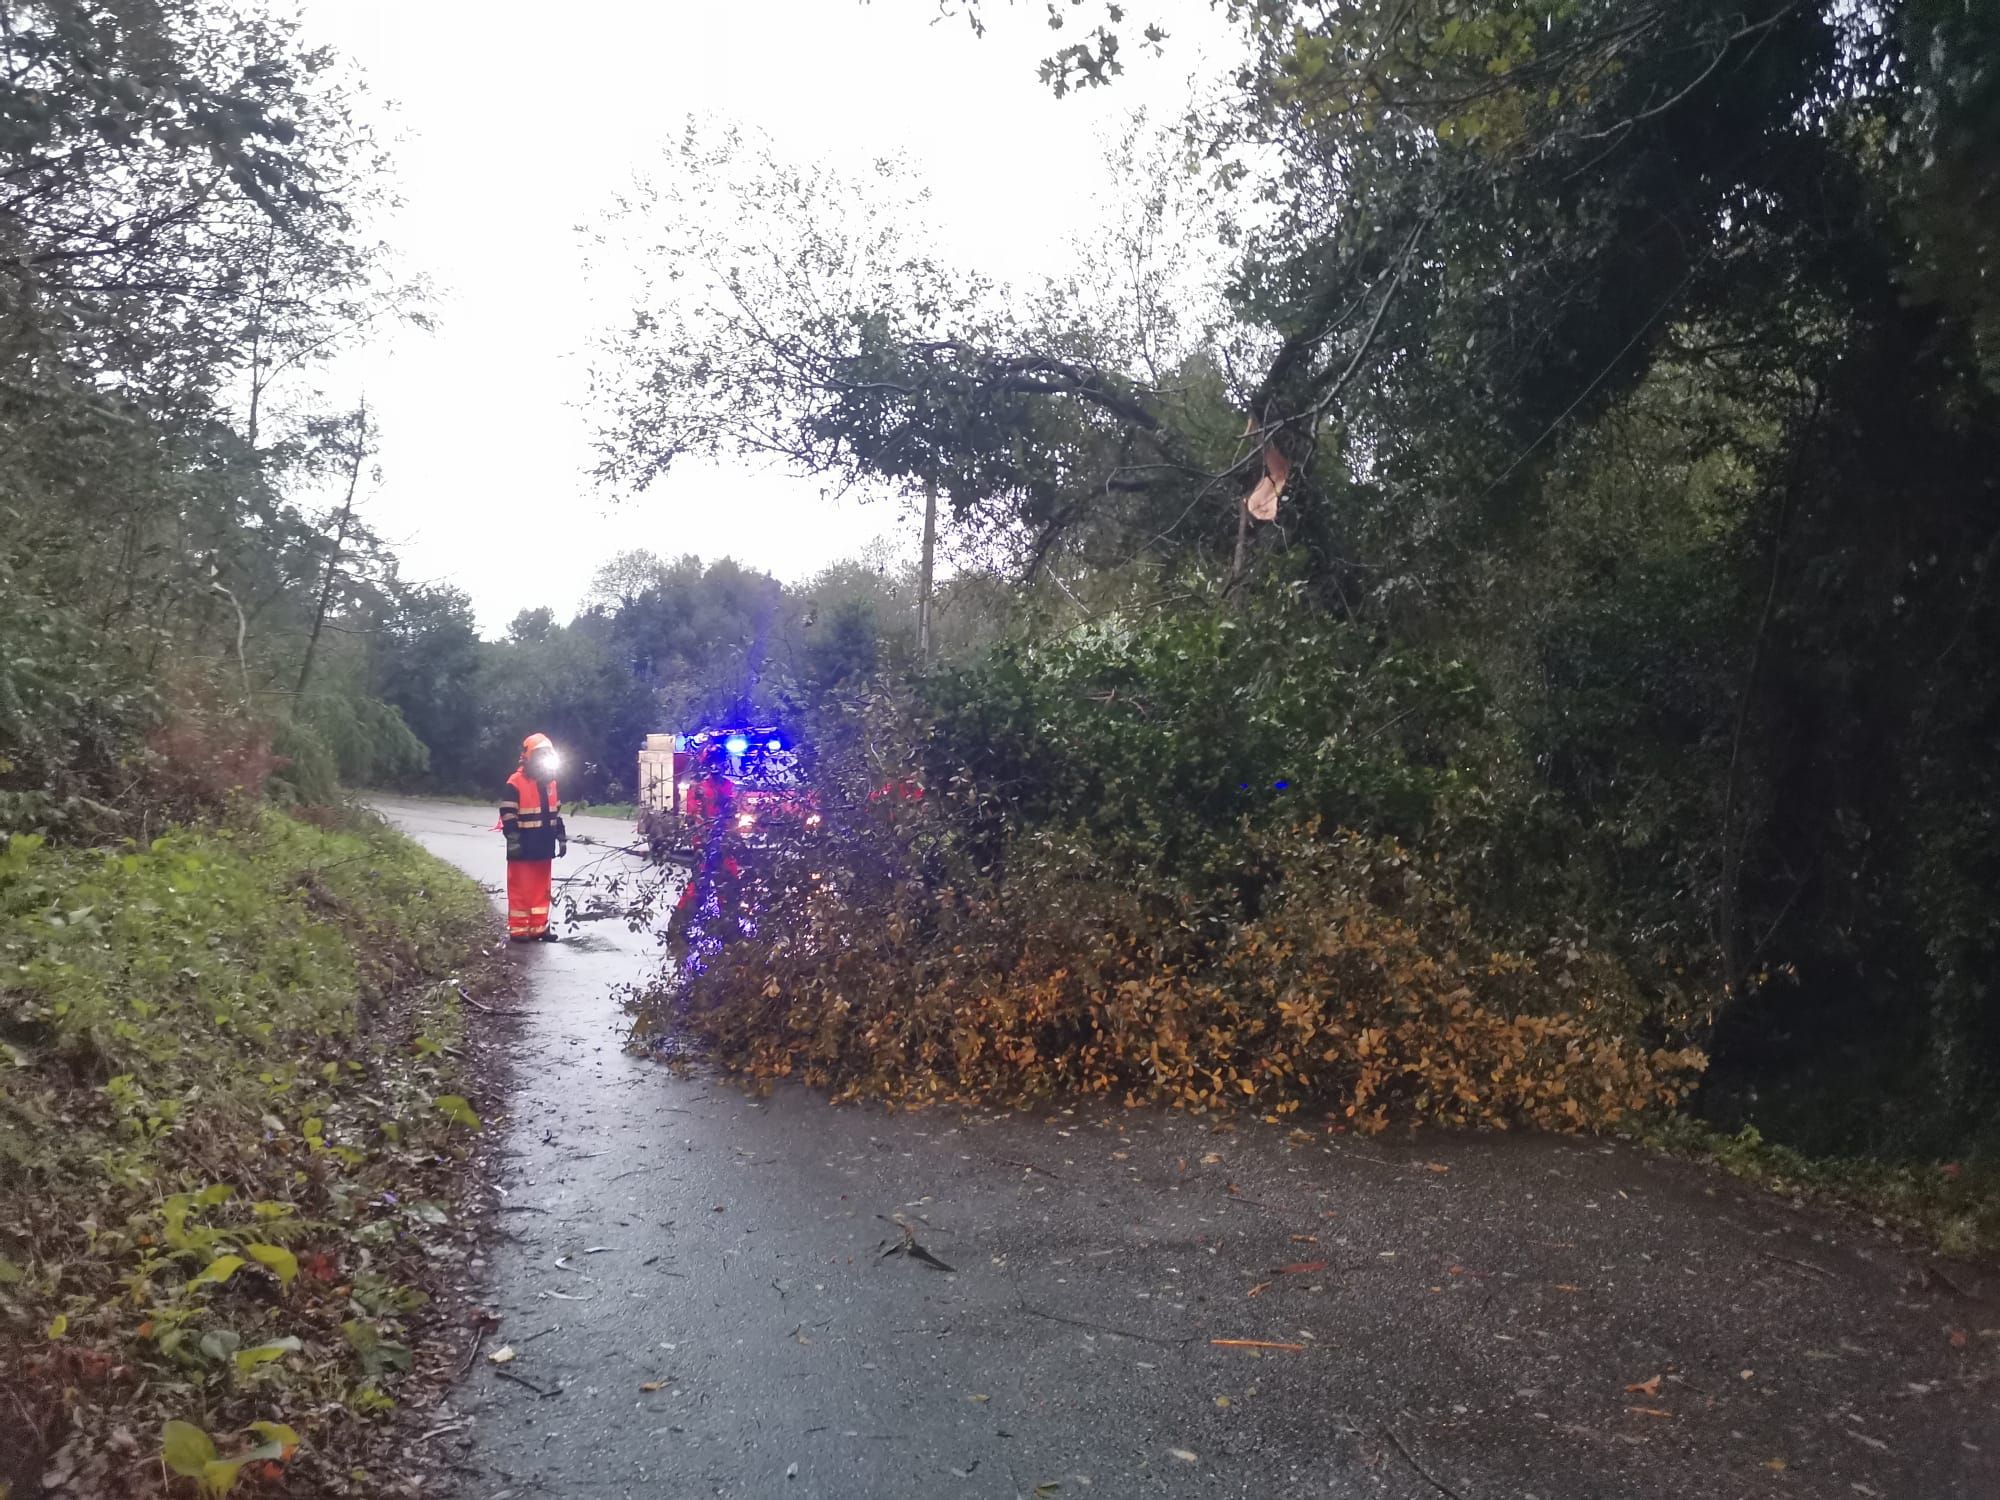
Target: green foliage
x=1639 y=357
x=426 y=666
x=72 y=711
x=191 y=1453
x=1157 y=734
x=369 y=741
x=224 y=1146
x=1953 y=1205
x=901 y=951
x=569 y=682
x=179 y=187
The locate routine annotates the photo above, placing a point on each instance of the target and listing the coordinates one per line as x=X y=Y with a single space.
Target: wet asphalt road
x=697 y=1276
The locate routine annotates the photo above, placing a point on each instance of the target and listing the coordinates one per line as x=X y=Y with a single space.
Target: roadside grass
x=230 y=1109
x=1955 y=1207
x=628 y=811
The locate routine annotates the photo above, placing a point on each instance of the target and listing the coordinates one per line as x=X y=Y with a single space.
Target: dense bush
x=948 y=947
x=1155 y=735
x=73 y=709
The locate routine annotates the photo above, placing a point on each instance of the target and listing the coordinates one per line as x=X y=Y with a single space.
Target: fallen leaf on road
x=1048 y=1489
x=792 y=1472
x=1300 y=1268
x=653 y=1385
x=1305 y=1239
x=1567 y=1286
x=1648 y=1411
x=1211 y=1159
x=1436 y=1166
x=1185 y=1455
x=1650 y=1387
x=501 y=1355
x=1256 y=1344
x=1958 y=1339
x=597 y=1249
x=981 y=1398
x=1222 y=1401
x=1260 y=1288
x=1777 y=1465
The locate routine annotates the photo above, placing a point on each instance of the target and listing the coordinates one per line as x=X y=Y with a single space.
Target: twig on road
x=522 y=1380
x=478 y=1338
x=487 y=1009
x=1803 y=1265
x=1144 y=1338
x=1256 y=1203
x=1403 y=1448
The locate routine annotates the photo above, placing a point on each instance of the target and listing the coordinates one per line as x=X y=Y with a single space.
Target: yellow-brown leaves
x=1064 y=982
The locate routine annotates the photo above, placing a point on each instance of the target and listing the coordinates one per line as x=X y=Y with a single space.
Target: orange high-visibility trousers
x=528 y=897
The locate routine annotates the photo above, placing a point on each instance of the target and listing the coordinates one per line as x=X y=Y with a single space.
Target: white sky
x=517 y=123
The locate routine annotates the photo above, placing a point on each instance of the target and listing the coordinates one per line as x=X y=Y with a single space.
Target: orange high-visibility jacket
x=532 y=809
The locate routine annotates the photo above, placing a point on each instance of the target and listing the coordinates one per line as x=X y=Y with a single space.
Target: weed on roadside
x=230 y=1105
x=1953 y=1206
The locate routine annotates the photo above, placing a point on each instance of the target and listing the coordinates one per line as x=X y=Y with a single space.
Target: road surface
x=697 y=1277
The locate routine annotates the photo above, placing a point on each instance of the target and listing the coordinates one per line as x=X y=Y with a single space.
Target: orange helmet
x=535 y=742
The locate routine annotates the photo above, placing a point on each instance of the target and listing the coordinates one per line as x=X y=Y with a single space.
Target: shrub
x=1159 y=734
x=890 y=954
x=73 y=709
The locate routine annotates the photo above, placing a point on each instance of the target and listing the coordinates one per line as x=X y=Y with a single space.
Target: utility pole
x=924 y=585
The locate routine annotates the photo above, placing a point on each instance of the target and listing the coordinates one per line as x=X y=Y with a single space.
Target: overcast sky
x=517 y=123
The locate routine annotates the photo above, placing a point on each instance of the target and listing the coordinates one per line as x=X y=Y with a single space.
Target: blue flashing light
x=774 y=744
x=1280 y=786
x=736 y=744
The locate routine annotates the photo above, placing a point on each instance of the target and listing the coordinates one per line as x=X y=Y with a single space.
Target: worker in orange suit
x=531 y=818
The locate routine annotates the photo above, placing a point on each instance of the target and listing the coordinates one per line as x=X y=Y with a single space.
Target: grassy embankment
x=1952 y=1206
x=230 y=1110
